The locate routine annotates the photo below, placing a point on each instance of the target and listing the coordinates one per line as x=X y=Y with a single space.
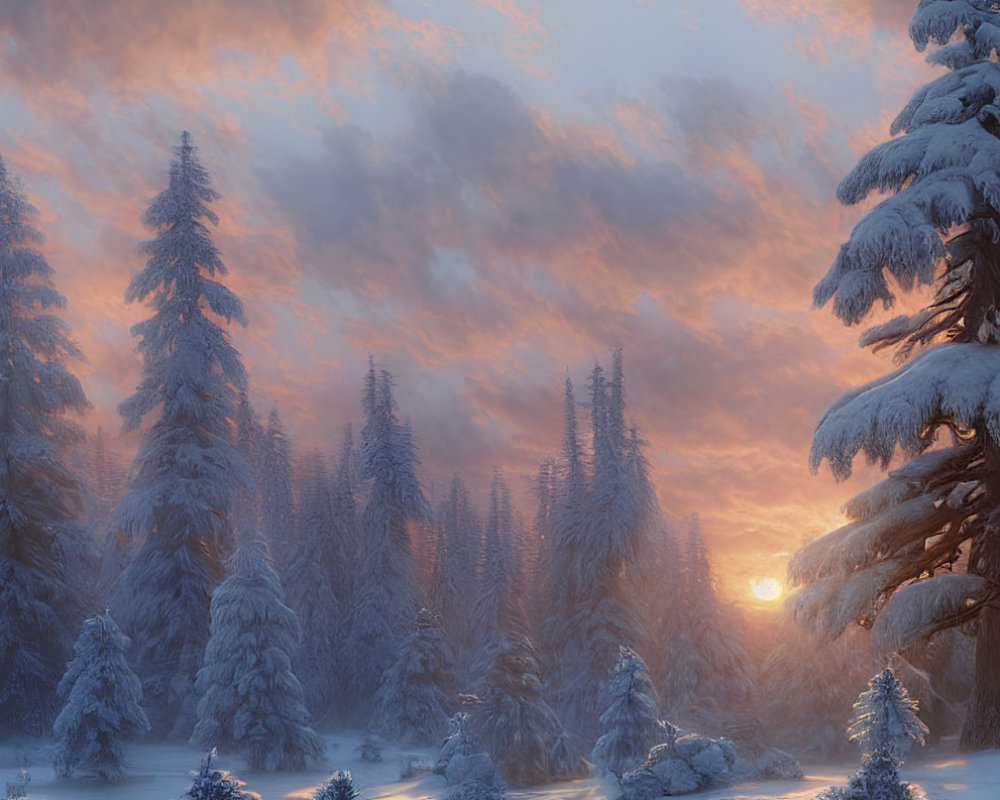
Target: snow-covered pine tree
x=603 y=564
x=187 y=470
x=896 y=564
x=213 y=784
x=339 y=786
x=41 y=541
x=630 y=723
x=246 y=505
x=521 y=732
x=886 y=727
x=251 y=702
x=275 y=485
x=102 y=703
x=708 y=678
x=386 y=599
x=414 y=701
x=317 y=568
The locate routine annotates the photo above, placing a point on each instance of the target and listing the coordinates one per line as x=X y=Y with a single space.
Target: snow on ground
x=160 y=772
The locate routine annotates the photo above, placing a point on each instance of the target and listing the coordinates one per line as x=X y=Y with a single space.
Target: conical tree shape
x=250 y=700
x=41 y=544
x=187 y=470
x=102 y=706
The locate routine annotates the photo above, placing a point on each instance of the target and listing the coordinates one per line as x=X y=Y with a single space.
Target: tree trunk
x=982 y=722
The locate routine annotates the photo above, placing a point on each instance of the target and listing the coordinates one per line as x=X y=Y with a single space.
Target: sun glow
x=766 y=589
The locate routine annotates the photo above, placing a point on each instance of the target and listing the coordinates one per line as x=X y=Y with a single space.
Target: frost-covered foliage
x=708 y=680
x=630 y=724
x=516 y=726
x=339 y=786
x=213 y=784
x=17 y=789
x=317 y=581
x=886 y=727
x=941 y=226
x=460 y=741
x=412 y=704
x=600 y=531
x=102 y=703
x=251 y=701
x=386 y=599
x=886 y=718
x=690 y=763
x=187 y=470
x=43 y=555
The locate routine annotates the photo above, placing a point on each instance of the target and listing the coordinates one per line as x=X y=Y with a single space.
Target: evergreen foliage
x=250 y=700
x=42 y=546
x=599 y=531
x=213 y=784
x=187 y=470
x=890 y=566
x=102 y=703
x=340 y=786
x=519 y=729
x=411 y=705
x=630 y=723
x=386 y=599
x=886 y=727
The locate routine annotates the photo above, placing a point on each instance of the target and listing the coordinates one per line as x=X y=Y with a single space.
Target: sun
x=766 y=589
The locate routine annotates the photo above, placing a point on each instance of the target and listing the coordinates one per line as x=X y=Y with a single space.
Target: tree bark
x=982 y=721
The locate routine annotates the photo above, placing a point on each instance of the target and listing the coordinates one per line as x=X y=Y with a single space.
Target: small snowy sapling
x=886 y=727
x=630 y=725
x=340 y=786
x=102 y=703
x=213 y=784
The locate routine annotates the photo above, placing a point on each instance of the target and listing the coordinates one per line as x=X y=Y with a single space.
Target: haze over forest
x=486 y=197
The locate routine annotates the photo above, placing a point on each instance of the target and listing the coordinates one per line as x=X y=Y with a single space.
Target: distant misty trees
x=187 y=470
x=43 y=548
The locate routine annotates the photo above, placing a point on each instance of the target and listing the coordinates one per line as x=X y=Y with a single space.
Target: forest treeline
x=245 y=590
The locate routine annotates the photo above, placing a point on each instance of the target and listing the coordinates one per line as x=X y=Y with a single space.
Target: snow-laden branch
x=920 y=608
x=958 y=382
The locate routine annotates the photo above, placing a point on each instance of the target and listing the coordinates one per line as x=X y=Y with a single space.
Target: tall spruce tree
x=604 y=550
x=187 y=470
x=897 y=564
x=386 y=600
x=41 y=542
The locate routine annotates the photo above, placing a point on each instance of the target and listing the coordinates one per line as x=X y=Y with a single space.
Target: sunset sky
x=485 y=194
